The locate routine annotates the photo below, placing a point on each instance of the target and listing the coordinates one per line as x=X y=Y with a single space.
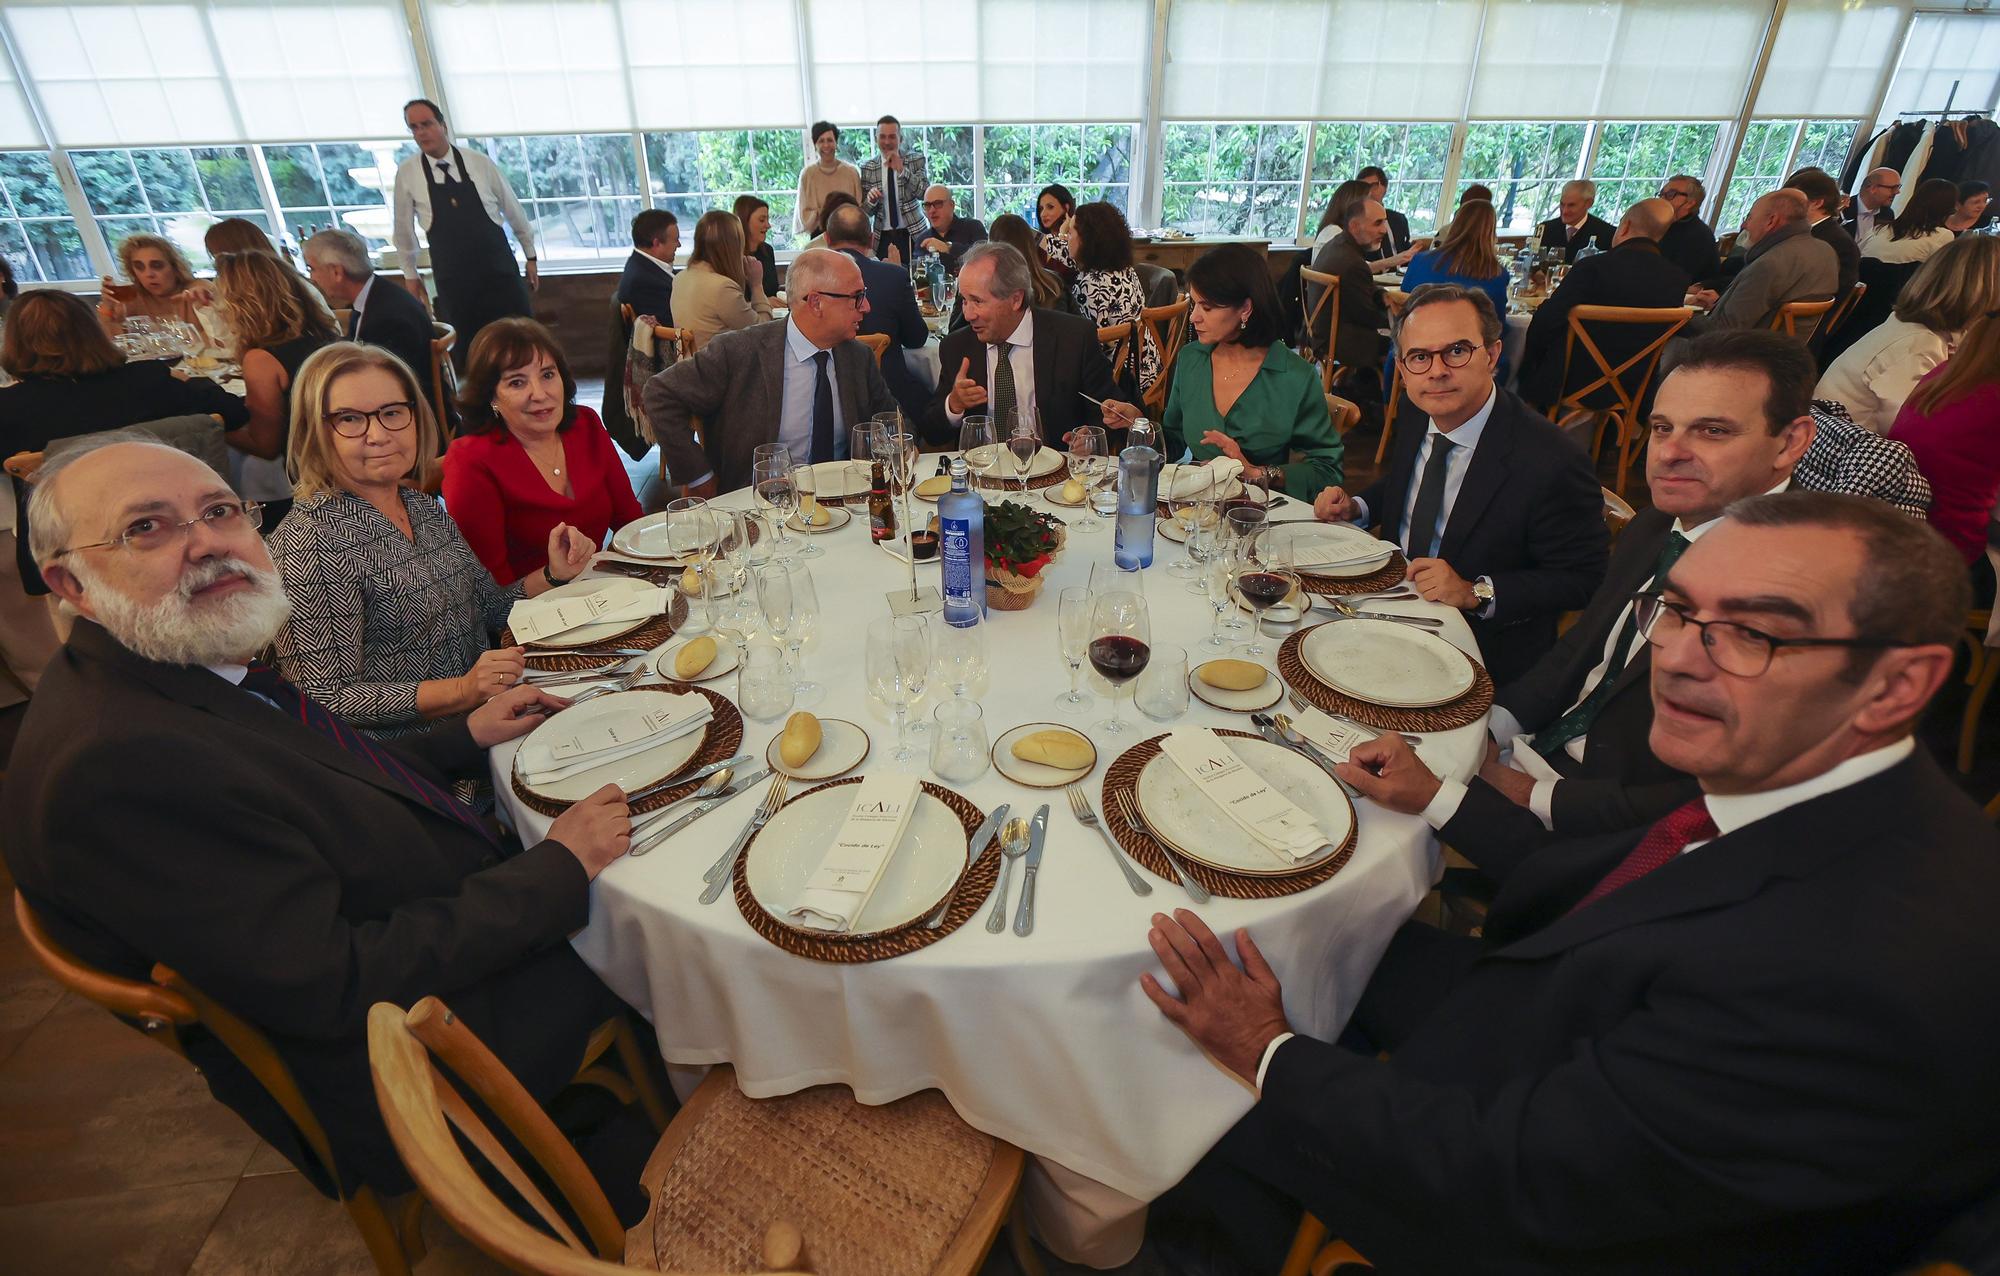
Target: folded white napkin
x=1271 y=820
x=563 y=754
x=533 y=619
x=1184 y=478
x=848 y=874
x=1334 y=738
x=1313 y=547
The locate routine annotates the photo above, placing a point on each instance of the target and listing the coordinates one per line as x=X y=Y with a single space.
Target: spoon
x=713 y=785
x=1013 y=845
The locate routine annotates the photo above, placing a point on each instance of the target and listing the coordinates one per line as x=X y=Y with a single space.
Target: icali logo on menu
x=1214 y=766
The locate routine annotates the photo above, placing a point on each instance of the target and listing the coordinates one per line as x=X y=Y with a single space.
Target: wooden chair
x=1170 y=325
x=1328 y=305
x=1312 y=1254
x=444 y=378
x=876 y=341
x=1618 y=512
x=1611 y=392
x=1793 y=313
x=1118 y=341
x=1980 y=674
x=1345 y=415
x=1725 y=242
x=24 y=465
x=1838 y=315
x=727 y=1164
x=1395 y=299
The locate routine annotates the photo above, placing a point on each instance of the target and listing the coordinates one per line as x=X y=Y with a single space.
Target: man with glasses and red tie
x=1748 y=1037
x=1689 y=242
x=1498 y=511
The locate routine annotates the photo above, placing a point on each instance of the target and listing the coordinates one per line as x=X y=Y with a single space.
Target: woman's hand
x=570 y=551
x=754 y=271
x=107 y=305
x=1227 y=446
x=491 y=674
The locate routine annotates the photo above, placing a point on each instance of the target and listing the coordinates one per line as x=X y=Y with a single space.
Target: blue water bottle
x=1138 y=499
x=962 y=540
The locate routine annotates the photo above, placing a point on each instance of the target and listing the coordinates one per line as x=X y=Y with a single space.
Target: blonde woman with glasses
x=392 y=616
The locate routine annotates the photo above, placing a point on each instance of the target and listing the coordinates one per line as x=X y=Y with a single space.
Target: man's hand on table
x=706 y=491
x=596 y=830
x=1389 y=771
x=1437 y=582
x=1517 y=785
x=1233 y=1013
x=511 y=714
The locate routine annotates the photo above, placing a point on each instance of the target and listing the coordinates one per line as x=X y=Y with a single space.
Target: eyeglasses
x=1732 y=648
x=150 y=532
x=1674 y=194
x=1455 y=355
x=352 y=423
x=936 y=203
x=859 y=299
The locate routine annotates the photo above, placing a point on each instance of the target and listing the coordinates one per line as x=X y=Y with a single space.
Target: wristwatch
x=1482 y=590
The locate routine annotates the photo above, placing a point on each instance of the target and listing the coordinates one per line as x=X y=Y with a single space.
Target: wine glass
x=691 y=537
x=805 y=489
x=804 y=631
x=776 y=490
x=1218 y=579
x=1186 y=500
x=1024 y=443
x=1074 y=607
x=860 y=455
x=1089 y=459
x=898 y=664
x=979 y=446
x=738 y=616
x=1120 y=645
x=961 y=656
x=1264 y=576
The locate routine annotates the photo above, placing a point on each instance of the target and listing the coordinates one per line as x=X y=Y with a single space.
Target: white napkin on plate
x=563 y=754
x=533 y=619
x=1312 y=547
x=1334 y=738
x=1178 y=479
x=849 y=872
x=1270 y=818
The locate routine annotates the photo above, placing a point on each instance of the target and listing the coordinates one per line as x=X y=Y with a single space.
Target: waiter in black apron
x=454 y=194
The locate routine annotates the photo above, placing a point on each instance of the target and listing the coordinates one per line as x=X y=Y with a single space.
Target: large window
x=1234 y=179
x=1412 y=154
x=946 y=148
x=345 y=184
x=176 y=191
x=693 y=173
x=1775 y=149
x=37 y=234
x=1093 y=160
x=580 y=190
x=1634 y=159
x=1525 y=165
x=1824 y=144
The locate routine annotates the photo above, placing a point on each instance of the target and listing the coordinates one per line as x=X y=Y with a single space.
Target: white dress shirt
x=1020 y=347
x=360 y=305
x=412 y=200
x=796 y=387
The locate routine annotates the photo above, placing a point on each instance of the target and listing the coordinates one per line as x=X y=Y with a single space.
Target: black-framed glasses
x=352 y=423
x=1455 y=355
x=1670 y=193
x=150 y=532
x=859 y=299
x=1735 y=649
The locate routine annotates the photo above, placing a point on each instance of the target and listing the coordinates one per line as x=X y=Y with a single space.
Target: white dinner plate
x=1171 y=527
x=1262 y=696
x=835 y=481
x=622 y=589
x=837 y=518
x=1047 y=461
x=1385 y=663
x=1053 y=495
x=646 y=537
x=842 y=747
x=1313 y=543
x=1190 y=822
x=1035 y=775
x=630 y=773
x=724 y=662
x=922 y=870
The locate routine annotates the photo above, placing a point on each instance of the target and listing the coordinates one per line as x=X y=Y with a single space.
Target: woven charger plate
x=1122 y=776
x=1462 y=712
x=973 y=889
x=649 y=635
x=1390 y=573
x=724 y=739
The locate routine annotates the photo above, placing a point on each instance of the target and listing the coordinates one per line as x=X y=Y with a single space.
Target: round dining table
x=1047 y=1040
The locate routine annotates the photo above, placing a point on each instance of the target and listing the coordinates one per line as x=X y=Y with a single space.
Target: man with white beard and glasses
x=177 y=802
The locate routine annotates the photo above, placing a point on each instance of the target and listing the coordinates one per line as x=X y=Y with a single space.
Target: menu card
x=1335 y=738
x=1260 y=810
x=847 y=876
x=533 y=619
x=555 y=753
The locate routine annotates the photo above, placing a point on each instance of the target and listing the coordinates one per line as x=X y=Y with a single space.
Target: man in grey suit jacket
x=770 y=384
x=1784 y=263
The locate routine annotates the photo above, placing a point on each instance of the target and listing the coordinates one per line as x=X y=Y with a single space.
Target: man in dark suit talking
x=1743 y=1039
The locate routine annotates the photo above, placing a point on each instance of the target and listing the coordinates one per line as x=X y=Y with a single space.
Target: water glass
x=804 y=632
x=1089 y=464
x=860 y=456
x=1161 y=693
x=898 y=666
x=764 y=683
x=772 y=482
x=805 y=494
x=960 y=752
x=961 y=657
x=1190 y=495
x=1073 y=611
x=980 y=447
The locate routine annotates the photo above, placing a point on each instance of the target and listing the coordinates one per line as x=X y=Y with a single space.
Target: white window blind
x=1944 y=48
x=1325 y=59
x=215 y=70
x=1829 y=57
x=698 y=65
x=997 y=61
x=17 y=124
x=1617 y=59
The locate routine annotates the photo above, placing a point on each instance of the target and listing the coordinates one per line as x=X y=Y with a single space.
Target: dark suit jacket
x=1398 y=240
x=1690 y=244
x=398 y=322
x=962 y=234
x=893 y=312
x=1068 y=365
x=1620 y=784
x=1529 y=515
x=161 y=814
x=1635 y=273
x=1595 y=230
x=1830 y=232
x=648 y=289
x=1770 y=1055
x=735 y=384
x=1363 y=309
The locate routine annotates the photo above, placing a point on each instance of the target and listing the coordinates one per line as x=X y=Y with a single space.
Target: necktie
x=273 y=686
x=1003 y=391
x=822 y=439
x=1577 y=721
x=1420 y=537
x=444 y=170
x=1661 y=845
x=893 y=214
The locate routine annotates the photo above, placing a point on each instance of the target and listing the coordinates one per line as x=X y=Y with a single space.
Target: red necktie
x=1661 y=845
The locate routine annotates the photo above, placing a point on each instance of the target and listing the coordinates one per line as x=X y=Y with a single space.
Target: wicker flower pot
x=1000 y=598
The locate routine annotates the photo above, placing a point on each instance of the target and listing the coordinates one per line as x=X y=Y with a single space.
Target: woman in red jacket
x=529 y=457
x=1951 y=421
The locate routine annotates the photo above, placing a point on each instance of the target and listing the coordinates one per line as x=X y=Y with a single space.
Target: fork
x=720 y=872
x=1196 y=891
x=623 y=684
x=618 y=670
x=1079 y=806
x=1349 y=611
x=1300 y=704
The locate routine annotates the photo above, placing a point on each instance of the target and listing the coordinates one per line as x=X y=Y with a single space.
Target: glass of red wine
x=1265 y=576
x=1121 y=638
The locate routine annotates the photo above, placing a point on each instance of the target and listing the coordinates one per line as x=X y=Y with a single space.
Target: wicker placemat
x=1462 y=712
x=725 y=739
x=647 y=636
x=973 y=889
x=1390 y=573
x=1122 y=776
x=1055 y=477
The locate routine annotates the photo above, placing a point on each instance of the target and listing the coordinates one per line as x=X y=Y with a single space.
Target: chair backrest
x=1794 y=313
x=1838 y=315
x=625 y=313
x=1170 y=325
x=1328 y=304
x=1589 y=381
x=1617 y=511
x=444 y=379
x=1395 y=299
x=1725 y=242
x=1120 y=348
x=159 y=1010
x=876 y=341
x=25 y=465
x=1345 y=415
x=1158 y=283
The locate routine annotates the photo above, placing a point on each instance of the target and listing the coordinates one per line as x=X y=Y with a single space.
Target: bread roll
x=800 y=740
x=1233 y=675
x=696 y=656
x=1064 y=750
x=935 y=485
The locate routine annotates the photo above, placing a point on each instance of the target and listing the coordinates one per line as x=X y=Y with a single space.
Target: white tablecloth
x=1047 y=1041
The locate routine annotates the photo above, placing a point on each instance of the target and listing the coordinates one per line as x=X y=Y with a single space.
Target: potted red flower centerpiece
x=1020 y=542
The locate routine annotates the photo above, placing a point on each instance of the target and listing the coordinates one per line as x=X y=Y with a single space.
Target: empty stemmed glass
x=805 y=496
x=961 y=657
x=1264 y=576
x=1089 y=460
x=979 y=447
x=772 y=483
x=738 y=616
x=1024 y=443
x=804 y=631
x=898 y=664
x=692 y=538
x=1218 y=581
x=1121 y=643
x=860 y=459
x=1074 y=609
x=1187 y=500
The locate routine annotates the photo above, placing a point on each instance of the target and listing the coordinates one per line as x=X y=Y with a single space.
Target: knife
x=978 y=843
x=1024 y=912
x=656 y=836
x=700 y=773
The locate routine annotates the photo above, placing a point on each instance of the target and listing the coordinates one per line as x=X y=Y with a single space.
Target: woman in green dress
x=1239 y=392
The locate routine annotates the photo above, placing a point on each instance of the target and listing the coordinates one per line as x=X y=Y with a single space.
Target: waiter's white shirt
x=412 y=200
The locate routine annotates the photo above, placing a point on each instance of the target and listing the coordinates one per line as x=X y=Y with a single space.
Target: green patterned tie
x=1003 y=392
x=1576 y=723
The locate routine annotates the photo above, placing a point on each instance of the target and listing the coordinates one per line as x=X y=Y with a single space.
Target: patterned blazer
x=911 y=184
x=374 y=614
